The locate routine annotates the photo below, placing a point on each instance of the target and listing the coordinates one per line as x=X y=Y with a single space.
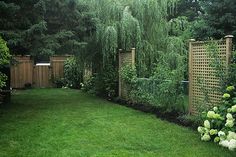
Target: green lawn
x=69 y=123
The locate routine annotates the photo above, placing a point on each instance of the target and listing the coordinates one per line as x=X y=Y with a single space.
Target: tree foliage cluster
x=4 y=60
x=45 y=27
x=214 y=18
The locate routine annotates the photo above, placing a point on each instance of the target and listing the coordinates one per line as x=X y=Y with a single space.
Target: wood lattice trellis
x=200 y=69
x=127 y=57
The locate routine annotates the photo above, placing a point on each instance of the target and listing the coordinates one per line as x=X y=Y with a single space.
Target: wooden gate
x=42 y=75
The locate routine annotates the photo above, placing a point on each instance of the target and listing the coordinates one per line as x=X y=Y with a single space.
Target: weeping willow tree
x=140 y=24
x=130 y=32
x=107 y=15
x=109 y=44
x=124 y=24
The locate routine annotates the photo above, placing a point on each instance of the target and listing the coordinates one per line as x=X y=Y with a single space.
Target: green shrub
x=163 y=90
x=89 y=85
x=219 y=125
x=72 y=73
x=4 y=59
x=104 y=83
x=59 y=82
x=191 y=120
x=128 y=73
x=165 y=94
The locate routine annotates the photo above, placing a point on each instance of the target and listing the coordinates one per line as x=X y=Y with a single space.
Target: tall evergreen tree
x=219 y=19
x=45 y=27
x=188 y=8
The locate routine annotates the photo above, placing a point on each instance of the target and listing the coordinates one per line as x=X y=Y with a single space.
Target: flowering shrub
x=220 y=125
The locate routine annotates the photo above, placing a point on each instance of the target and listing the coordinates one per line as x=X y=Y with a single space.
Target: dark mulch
x=173 y=116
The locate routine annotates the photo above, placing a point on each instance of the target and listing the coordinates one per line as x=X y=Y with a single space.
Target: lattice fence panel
x=127 y=57
x=204 y=85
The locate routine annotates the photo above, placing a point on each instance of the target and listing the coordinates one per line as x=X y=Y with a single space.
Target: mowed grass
x=69 y=123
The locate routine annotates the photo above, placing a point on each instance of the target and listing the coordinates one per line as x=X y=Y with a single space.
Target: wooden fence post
x=229 y=47
x=120 y=50
x=125 y=58
x=190 y=75
x=133 y=56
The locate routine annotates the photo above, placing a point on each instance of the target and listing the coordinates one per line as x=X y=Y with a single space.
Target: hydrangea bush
x=220 y=125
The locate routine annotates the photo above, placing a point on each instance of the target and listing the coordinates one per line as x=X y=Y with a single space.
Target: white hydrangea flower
x=231 y=135
x=216 y=116
x=206 y=137
x=229 y=123
x=229 y=116
x=213 y=132
x=210 y=114
x=206 y=130
x=232 y=145
x=200 y=130
x=207 y=124
x=217 y=139
x=230 y=88
x=233 y=108
x=221 y=133
x=224 y=143
x=215 y=109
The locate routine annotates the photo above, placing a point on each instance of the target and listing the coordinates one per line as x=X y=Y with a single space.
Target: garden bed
x=173 y=116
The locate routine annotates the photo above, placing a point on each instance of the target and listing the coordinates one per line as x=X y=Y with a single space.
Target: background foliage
x=44 y=27
x=4 y=60
x=72 y=73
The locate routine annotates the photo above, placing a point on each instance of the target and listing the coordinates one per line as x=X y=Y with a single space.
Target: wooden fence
x=57 y=64
x=127 y=57
x=22 y=72
x=202 y=80
x=42 y=75
x=39 y=75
